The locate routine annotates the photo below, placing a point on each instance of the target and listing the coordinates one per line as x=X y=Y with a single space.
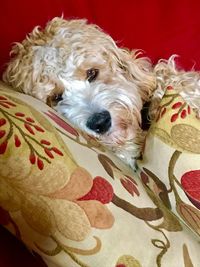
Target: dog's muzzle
x=99 y=122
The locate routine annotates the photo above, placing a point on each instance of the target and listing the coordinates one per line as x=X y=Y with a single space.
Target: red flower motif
x=4 y=102
x=2 y=122
x=3 y=98
x=177 y=105
x=101 y=190
x=130 y=185
x=29 y=128
x=63 y=124
x=32 y=158
x=190 y=182
x=90 y=195
x=144 y=177
x=19 y=114
x=3 y=147
x=174 y=117
x=17 y=141
x=10 y=103
x=40 y=164
x=181 y=110
x=4 y=105
x=30 y=119
x=48 y=152
x=45 y=142
x=183 y=113
x=2 y=133
x=57 y=151
x=169 y=87
x=38 y=128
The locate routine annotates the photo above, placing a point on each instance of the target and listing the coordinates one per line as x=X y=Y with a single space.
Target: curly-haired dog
x=80 y=71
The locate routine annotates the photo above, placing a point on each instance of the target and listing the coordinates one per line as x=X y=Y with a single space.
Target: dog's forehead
x=84 y=40
x=83 y=32
x=59 y=60
x=76 y=65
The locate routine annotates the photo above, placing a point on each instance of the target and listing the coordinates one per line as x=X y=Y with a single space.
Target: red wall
x=159 y=27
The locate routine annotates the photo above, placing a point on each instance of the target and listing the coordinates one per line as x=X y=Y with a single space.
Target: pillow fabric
x=170 y=168
x=73 y=203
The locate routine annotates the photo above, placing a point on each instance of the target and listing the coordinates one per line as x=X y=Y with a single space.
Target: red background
x=159 y=27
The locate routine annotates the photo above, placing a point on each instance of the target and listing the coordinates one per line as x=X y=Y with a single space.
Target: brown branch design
x=29 y=130
x=145 y=214
x=70 y=251
x=189 y=214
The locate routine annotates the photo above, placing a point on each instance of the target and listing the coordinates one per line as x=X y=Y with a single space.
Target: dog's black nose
x=99 y=122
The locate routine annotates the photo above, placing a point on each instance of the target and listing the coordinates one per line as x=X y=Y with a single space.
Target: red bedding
x=160 y=28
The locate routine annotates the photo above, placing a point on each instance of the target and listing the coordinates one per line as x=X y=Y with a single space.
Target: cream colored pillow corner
x=171 y=160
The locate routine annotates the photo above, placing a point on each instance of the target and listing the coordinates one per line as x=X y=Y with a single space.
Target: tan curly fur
x=55 y=61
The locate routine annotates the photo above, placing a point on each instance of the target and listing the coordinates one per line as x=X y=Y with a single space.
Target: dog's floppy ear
x=137 y=70
x=33 y=67
x=33 y=70
x=17 y=73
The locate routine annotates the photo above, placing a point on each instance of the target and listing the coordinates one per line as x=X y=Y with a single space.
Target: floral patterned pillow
x=171 y=163
x=73 y=203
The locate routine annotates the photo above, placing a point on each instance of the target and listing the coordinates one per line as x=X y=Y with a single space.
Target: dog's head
x=79 y=70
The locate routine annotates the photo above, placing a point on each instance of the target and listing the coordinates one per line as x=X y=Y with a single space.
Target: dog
x=79 y=70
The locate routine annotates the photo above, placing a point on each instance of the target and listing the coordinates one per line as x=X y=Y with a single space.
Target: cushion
x=75 y=204
x=170 y=166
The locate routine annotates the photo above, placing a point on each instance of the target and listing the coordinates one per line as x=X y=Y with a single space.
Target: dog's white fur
x=56 y=60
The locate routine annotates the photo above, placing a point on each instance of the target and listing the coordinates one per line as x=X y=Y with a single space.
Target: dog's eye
x=92 y=74
x=57 y=97
x=54 y=99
